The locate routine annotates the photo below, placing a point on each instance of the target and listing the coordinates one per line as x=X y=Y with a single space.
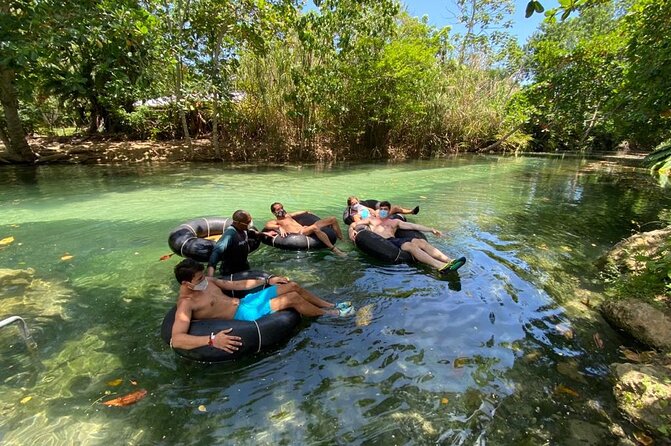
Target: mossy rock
x=640 y=320
x=632 y=254
x=643 y=393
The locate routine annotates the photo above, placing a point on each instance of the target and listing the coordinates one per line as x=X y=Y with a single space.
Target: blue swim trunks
x=256 y=305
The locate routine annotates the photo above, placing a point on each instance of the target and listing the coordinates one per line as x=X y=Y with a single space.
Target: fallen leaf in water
x=422 y=197
x=165 y=257
x=364 y=315
x=566 y=248
x=643 y=439
x=115 y=382
x=67 y=257
x=6 y=241
x=444 y=401
x=460 y=362
x=127 y=400
x=631 y=355
x=133 y=382
x=597 y=340
x=562 y=389
x=202 y=408
x=636 y=356
x=26 y=399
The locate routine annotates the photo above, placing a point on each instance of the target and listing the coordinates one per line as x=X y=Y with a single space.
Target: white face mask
x=250 y=224
x=202 y=285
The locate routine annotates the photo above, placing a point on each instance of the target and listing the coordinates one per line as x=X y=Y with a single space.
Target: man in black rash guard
x=233 y=247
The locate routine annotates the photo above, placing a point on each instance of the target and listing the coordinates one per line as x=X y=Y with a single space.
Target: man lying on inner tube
x=358 y=211
x=284 y=223
x=204 y=298
x=233 y=247
x=419 y=248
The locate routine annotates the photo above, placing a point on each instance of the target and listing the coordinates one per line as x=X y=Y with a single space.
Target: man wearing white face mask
x=233 y=247
x=203 y=298
x=419 y=248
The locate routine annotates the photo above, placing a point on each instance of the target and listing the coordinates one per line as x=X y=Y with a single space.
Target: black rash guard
x=231 y=250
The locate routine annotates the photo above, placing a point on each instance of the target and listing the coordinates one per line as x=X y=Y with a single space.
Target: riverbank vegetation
x=344 y=79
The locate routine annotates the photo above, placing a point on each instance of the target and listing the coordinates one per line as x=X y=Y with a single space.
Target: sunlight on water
x=470 y=360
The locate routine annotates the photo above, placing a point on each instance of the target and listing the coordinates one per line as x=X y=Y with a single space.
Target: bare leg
x=293 y=287
x=421 y=256
x=399 y=210
x=333 y=223
x=295 y=301
x=321 y=235
x=431 y=250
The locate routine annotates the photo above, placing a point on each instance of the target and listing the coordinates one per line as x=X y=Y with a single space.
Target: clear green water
x=473 y=361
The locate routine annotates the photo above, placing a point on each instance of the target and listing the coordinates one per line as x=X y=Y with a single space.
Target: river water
x=503 y=354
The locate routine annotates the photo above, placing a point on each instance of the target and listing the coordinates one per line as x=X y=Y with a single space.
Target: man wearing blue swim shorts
x=203 y=297
x=256 y=305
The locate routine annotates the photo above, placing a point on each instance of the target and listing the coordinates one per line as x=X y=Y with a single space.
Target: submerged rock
x=640 y=320
x=16 y=277
x=631 y=254
x=583 y=433
x=643 y=393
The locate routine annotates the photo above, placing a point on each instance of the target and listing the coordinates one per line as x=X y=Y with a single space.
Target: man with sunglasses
x=285 y=223
x=233 y=247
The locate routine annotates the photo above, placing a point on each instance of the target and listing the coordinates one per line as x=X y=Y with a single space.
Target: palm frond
x=659 y=157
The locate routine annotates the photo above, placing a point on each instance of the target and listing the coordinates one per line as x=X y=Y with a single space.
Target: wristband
x=210 y=341
x=268 y=278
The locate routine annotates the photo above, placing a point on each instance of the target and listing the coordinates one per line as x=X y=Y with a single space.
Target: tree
x=222 y=28
x=577 y=67
x=644 y=107
x=16 y=18
x=487 y=23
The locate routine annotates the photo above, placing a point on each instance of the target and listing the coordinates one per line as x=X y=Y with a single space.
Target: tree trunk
x=470 y=26
x=215 y=98
x=3 y=136
x=590 y=126
x=14 y=137
x=500 y=141
x=180 y=106
x=180 y=14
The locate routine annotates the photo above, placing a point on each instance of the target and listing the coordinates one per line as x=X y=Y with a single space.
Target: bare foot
x=338 y=252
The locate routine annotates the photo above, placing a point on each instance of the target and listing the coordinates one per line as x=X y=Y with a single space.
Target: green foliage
x=602 y=77
x=644 y=109
x=659 y=160
x=649 y=285
x=487 y=24
x=577 y=68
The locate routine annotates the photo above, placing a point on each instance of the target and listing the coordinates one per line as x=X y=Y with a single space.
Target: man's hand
x=229 y=344
x=283 y=233
x=435 y=231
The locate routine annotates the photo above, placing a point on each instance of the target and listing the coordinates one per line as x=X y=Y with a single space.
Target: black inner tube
x=188 y=239
x=256 y=335
x=300 y=242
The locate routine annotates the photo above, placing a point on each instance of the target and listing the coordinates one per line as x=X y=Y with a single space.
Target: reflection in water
x=489 y=355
